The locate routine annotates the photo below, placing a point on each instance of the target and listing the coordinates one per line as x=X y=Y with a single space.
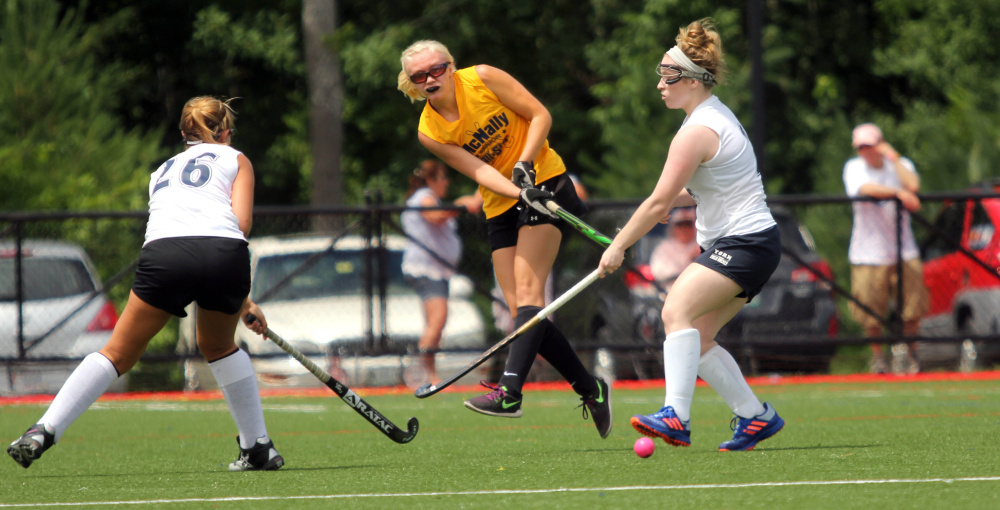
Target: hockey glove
x=523 y=174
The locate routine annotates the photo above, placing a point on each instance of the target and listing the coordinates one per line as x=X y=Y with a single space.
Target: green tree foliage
x=111 y=76
x=176 y=49
x=237 y=49
x=61 y=144
x=946 y=52
x=635 y=126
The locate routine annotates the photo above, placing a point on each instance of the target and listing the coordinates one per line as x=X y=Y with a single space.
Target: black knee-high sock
x=560 y=354
x=521 y=353
x=545 y=339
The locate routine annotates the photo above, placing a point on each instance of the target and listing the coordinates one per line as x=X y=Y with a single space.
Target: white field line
x=513 y=491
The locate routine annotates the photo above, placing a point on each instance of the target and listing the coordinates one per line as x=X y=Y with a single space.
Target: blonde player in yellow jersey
x=487 y=126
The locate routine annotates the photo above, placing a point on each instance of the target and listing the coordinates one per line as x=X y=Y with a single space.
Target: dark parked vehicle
x=796 y=306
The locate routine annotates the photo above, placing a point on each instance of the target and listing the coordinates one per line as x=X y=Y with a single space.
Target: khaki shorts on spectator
x=875 y=286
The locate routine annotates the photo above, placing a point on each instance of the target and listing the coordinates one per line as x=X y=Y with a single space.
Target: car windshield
x=315 y=275
x=45 y=278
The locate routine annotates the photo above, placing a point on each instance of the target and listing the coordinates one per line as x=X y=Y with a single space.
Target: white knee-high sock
x=681 y=351
x=720 y=371
x=236 y=379
x=89 y=381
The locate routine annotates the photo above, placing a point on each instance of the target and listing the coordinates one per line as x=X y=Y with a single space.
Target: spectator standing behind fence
x=879 y=171
x=431 y=255
x=680 y=246
x=195 y=250
x=487 y=126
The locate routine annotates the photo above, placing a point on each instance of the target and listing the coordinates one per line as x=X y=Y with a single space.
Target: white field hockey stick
x=430 y=389
x=357 y=403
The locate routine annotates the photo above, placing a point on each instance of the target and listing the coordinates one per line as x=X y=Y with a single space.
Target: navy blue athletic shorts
x=747 y=259
x=212 y=271
x=502 y=229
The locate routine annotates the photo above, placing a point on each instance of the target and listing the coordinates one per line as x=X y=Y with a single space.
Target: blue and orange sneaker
x=498 y=402
x=665 y=425
x=747 y=432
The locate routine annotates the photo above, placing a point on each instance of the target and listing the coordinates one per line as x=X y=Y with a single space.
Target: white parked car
x=313 y=291
x=63 y=314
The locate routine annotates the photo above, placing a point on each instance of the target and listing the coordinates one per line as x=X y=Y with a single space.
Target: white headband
x=686 y=64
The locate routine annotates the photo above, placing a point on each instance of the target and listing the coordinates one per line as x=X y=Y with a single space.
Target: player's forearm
x=908 y=179
x=647 y=215
x=877 y=191
x=538 y=131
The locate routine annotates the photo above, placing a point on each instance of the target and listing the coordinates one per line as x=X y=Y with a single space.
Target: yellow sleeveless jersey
x=489 y=131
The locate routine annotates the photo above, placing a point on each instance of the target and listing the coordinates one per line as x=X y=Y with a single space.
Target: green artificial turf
x=891 y=444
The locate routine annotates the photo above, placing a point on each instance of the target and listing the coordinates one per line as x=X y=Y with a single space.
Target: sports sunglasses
x=434 y=72
x=672 y=74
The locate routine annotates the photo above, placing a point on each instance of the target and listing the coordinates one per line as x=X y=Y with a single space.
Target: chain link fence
x=329 y=281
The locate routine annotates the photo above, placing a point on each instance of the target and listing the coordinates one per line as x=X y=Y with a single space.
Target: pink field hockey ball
x=644 y=447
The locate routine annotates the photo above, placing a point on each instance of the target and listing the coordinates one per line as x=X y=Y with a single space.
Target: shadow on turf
x=819 y=447
x=758 y=448
x=132 y=474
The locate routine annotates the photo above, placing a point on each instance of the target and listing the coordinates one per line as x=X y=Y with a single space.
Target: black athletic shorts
x=212 y=271
x=747 y=259
x=502 y=228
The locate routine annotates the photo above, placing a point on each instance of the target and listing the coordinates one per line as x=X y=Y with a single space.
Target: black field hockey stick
x=357 y=403
x=430 y=389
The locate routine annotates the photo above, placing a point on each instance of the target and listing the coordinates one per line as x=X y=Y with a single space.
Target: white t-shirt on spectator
x=442 y=238
x=873 y=238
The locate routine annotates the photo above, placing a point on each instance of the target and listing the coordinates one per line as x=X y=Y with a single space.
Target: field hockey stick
x=430 y=389
x=597 y=237
x=357 y=403
x=588 y=231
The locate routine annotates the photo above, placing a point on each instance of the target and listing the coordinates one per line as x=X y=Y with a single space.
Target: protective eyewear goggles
x=434 y=72
x=671 y=74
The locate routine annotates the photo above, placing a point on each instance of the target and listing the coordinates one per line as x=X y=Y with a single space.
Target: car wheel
x=647 y=329
x=968 y=352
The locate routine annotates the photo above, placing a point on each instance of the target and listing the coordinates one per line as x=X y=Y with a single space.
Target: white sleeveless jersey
x=727 y=188
x=191 y=194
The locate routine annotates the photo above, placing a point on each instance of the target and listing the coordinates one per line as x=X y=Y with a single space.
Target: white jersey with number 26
x=727 y=188
x=190 y=195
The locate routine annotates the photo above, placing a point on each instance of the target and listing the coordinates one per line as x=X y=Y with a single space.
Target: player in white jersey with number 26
x=200 y=212
x=710 y=164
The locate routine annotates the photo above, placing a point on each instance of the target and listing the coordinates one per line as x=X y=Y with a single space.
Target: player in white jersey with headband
x=200 y=211
x=710 y=164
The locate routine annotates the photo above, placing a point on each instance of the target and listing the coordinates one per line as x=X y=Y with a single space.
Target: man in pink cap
x=880 y=172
